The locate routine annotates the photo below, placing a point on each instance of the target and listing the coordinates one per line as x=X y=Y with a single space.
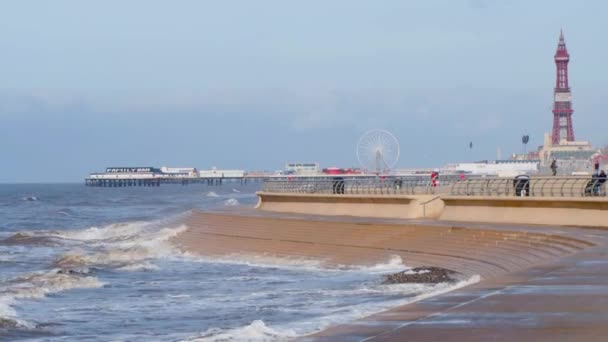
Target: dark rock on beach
x=422 y=275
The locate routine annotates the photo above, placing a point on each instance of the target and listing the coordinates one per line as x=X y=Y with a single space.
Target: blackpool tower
x=562 y=99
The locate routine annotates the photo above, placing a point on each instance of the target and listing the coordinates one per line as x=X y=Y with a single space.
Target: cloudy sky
x=253 y=84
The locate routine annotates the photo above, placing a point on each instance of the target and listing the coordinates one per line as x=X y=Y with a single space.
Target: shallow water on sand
x=80 y=263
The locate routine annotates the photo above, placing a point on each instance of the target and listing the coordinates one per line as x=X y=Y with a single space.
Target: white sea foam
x=179 y=296
x=127 y=252
x=235 y=190
x=37 y=285
x=118 y=231
x=141 y=266
x=257 y=331
x=212 y=194
x=417 y=272
x=393 y=264
x=354 y=312
x=109 y=233
x=231 y=202
x=112 y=231
x=263 y=261
x=123 y=245
x=332 y=315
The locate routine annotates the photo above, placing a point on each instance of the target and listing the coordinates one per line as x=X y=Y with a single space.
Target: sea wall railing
x=446 y=185
x=360 y=185
x=531 y=187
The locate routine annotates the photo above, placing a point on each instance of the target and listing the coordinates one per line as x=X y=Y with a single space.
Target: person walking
x=554 y=167
x=597 y=179
x=601 y=179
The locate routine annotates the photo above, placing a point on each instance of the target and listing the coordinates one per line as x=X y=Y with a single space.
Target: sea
x=97 y=264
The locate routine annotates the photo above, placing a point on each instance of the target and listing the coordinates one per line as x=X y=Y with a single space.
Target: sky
x=254 y=84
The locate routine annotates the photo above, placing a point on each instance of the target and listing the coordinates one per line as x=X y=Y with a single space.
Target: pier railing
x=488 y=186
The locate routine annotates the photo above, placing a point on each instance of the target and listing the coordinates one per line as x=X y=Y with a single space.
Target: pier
x=117 y=177
x=152 y=182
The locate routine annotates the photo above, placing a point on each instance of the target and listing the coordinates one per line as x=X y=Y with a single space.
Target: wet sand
x=538 y=283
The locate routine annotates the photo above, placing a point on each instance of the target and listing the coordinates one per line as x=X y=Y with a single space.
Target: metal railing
x=360 y=185
x=531 y=187
x=446 y=185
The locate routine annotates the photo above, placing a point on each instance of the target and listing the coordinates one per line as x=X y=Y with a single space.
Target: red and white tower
x=562 y=104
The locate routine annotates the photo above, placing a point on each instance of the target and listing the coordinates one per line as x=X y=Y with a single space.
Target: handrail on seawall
x=531 y=187
x=345 y=185
x=521 y=186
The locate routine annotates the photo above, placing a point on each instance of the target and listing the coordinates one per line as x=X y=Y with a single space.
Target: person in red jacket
x=434 y=176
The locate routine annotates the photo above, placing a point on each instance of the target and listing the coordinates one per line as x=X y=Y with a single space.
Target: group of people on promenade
x=595 y=186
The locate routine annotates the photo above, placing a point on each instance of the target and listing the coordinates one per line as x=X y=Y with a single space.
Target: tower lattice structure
x=562 y=99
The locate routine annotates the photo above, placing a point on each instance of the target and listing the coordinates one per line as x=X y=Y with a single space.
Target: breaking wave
x=37 y=285
x=123 y=248
x=121 y=245
x=410 y=293
x=259 y=331
x=142 y=266
x=256 y=331
x=127 y=247
x=231 y=202
x=6 y=323
x=117 y=231
x=393 y=264
x=264 y=261
x=30 y=238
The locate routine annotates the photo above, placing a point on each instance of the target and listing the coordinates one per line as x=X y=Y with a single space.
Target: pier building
x=500 y=168
x=302 y=168
x=153 y=176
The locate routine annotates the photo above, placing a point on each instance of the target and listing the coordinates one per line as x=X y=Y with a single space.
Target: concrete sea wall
x=576 y=211
x=540 y=283
x=565 y=211
x=486 y=252
x=382 y=206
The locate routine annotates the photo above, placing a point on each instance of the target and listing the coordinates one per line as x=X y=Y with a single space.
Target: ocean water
x=96 y=264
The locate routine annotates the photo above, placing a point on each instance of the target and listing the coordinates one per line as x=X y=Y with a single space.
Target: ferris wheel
x=378 y=150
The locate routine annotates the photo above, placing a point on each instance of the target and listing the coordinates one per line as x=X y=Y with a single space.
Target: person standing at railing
x=593 y=186
x=434 y=176
x=398 y=183
x=554 y=167
x=601 y=179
